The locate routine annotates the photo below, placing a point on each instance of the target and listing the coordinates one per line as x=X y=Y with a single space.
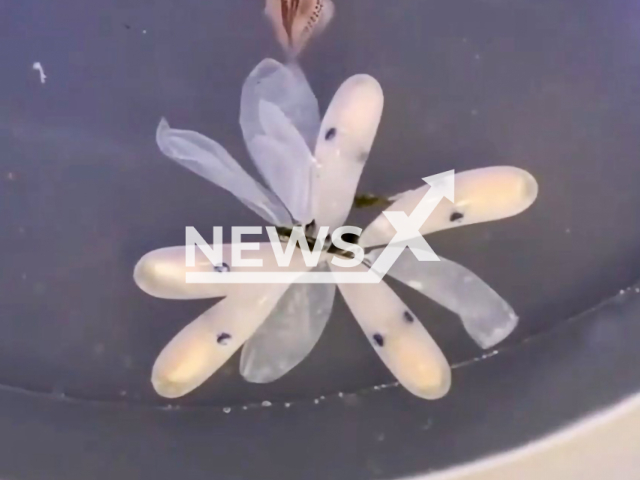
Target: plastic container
x=549 y=86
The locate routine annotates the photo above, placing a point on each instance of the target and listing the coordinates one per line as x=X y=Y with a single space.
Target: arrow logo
x=408 y=227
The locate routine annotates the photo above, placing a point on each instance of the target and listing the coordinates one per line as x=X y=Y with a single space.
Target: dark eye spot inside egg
x=221 y=268
x=455 y=216
x=223 y=338
x=331 y=134
x=378 y=339
x=408 y=317
x=351 y=238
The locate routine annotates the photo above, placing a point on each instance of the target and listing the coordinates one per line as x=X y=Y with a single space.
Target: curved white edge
x=598 y=443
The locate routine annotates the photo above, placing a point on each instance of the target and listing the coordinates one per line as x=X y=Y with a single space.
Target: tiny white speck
x=637 y=290
x=226 y=410
x=266 y=403
x=287 y=405
x=415 y=284
x=322 y=397
x=245 y=408
x=37 y=66
x=58 y=392
x=316 y=401
x=477 y=56
x=489 y=355
x=123 y=393
x=340 y=394
x=621 y=292
x=144 y=32
x=376 y=387
x=11 y=176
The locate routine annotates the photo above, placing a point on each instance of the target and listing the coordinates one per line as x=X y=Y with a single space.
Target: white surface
x=603 y=446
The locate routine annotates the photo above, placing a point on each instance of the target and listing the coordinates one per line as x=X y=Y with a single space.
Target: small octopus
x=296 y=21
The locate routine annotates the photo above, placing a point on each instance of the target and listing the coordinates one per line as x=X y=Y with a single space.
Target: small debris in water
x=266 y=403
x=127 y=361
x=226 y=410
x=37 y=66
x=287 y=405
x=427 y=425
x=11 y=176
x=316 y=401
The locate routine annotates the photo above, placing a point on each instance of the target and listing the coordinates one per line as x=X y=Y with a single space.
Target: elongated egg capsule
x=162 y=273
x=346 y=136
x=399 y=339
x=481 y=195
x=204 y=345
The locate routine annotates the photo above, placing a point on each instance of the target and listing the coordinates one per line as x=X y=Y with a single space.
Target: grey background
x=548 y=85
